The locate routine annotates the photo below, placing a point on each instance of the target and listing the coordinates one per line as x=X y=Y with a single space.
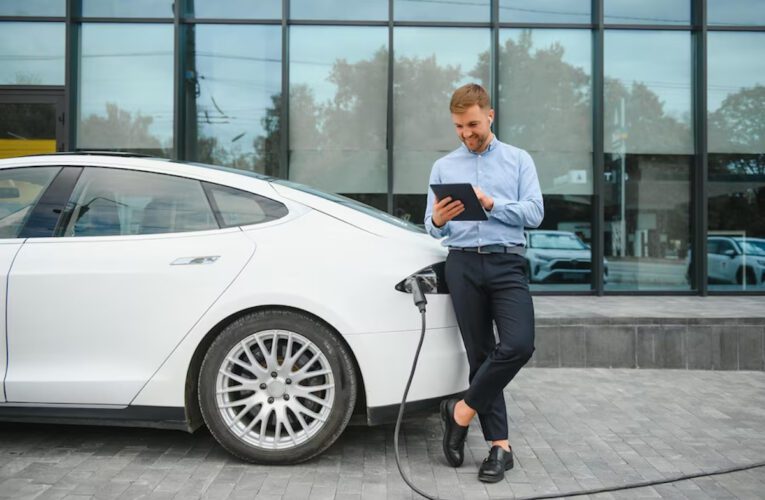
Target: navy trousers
x=486 y=288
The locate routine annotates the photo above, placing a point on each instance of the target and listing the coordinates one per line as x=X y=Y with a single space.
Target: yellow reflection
x=10 y=148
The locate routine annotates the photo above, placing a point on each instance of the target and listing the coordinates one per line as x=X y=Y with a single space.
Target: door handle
x=188 y=261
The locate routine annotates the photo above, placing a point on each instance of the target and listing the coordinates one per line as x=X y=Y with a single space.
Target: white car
x=735 y=259
x=559 y=257
x=157 y=293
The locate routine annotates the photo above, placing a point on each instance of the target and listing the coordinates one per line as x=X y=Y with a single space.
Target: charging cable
x=421 y=302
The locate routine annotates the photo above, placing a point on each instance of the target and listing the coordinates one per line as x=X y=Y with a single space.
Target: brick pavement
x=570 y=429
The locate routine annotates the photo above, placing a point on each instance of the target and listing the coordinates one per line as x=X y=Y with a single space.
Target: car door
x=20 y=190
x=137 y=259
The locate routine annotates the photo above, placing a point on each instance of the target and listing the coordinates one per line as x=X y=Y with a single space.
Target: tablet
x=465 y=193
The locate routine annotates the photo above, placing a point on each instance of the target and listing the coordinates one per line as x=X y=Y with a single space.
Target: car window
x=20 y=189
x=724 y=246
x=239 y=208
x=113 y=202
x=713 y=247
x=556 y=241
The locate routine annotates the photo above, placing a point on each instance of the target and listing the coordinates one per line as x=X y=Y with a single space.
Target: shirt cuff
x=437 y=232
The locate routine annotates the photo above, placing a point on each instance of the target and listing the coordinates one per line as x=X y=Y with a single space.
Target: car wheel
x=277 y=387
x=751 y=279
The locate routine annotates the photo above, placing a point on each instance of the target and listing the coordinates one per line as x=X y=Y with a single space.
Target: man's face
x=473 y=127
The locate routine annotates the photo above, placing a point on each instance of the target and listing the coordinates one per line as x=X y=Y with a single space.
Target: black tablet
x=465 y=193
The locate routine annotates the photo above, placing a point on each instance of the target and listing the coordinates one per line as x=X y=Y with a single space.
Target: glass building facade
x=646 y=119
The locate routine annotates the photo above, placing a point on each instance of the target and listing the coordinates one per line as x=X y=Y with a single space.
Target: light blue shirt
x=505 y=173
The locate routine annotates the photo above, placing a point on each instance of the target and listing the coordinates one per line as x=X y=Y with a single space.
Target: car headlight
x=544 y=258
x=432 y=278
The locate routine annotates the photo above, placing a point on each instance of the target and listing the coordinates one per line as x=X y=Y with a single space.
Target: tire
x=751 y=279
x=285 y=419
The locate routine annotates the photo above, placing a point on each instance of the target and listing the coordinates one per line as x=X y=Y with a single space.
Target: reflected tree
x=118 y=129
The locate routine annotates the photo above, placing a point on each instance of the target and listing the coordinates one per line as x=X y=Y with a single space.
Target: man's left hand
x=487 y=202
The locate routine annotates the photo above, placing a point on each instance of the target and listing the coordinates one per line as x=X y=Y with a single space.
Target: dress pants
x=486 y=288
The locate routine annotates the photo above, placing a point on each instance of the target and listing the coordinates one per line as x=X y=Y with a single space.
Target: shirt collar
x=492 y=146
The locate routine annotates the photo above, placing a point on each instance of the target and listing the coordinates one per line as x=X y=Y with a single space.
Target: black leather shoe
x=454 y=434
x=494 y=466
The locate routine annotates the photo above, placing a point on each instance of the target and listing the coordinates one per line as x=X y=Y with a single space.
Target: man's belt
x=515 y=249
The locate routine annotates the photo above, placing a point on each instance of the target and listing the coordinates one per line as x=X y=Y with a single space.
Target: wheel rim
x=275 y=390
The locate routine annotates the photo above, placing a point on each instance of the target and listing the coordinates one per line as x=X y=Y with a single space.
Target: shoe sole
x=496 y=479
x=444 y=416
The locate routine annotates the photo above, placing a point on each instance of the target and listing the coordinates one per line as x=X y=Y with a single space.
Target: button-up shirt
x=505 y=173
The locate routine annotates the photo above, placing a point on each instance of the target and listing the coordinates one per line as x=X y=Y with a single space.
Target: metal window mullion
x=71 y=67
x=701 y=166
x=495 y=50
x=179 y=58
x=284 y=124
x=598 y=87
x=389 y=115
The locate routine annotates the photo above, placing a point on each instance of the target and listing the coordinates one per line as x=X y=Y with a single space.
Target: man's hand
x=487 y=202
x=445 y=210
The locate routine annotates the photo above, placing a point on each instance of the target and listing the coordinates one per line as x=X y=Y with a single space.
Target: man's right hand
x=445 y=210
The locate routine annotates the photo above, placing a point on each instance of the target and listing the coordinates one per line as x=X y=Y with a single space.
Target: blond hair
x=467 y=96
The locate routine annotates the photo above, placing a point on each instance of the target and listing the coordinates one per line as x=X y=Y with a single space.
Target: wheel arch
x=191 y=399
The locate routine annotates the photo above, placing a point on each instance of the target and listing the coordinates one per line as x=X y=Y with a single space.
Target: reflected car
x=559 y=257
x=149 y=292
x=736 y=260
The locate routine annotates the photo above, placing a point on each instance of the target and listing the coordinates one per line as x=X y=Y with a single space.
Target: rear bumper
x=385 y=360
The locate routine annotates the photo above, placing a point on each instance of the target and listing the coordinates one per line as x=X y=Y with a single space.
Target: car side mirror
x=730 y=253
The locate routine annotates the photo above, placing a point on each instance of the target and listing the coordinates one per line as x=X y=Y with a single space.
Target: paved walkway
x=570 y=429
x=619 y=307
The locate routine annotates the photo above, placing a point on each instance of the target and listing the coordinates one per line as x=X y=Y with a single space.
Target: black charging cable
x=421 y=302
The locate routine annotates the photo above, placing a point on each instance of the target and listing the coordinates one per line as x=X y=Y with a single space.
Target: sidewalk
x=570 y=429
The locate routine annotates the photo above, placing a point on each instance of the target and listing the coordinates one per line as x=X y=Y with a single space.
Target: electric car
x=559 y=256
x=148 y=292
x=735 y=259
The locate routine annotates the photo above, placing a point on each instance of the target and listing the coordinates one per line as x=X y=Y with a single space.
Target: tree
x=119 y=129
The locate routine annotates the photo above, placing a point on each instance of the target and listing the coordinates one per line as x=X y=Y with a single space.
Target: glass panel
x=233 y=92
x=27 y=129
x=33 y=8
x=133 y=8
x=32 y=53
x=648 y=144
x=126 y=88
x=239 y=208
x=20 y=188
x=338 y=97
x=460 y=11
x=647 y=11
x=234 y=9
x=430 y=64
x=545 y=11
x=733 y=12
x=552 y=67
x=339 y=10
x=736 y=188
x=111 y=202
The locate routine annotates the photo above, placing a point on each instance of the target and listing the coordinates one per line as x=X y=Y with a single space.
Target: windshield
x=355 y=205
x=751 y=248
x=556 y=241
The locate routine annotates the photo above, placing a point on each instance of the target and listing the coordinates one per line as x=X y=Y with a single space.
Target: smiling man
x=485 y=272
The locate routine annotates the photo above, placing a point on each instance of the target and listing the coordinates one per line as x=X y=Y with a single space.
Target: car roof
x=131 y=161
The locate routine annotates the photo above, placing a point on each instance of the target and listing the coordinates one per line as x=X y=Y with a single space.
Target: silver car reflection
x=559 y=257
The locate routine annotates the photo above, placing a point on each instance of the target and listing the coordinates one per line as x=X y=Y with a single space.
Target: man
x=485 y=272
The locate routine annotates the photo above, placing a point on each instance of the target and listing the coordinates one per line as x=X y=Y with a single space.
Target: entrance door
x=31 y=122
